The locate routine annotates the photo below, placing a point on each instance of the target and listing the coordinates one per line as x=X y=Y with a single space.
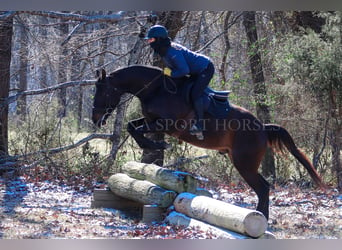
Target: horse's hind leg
x=247 y=163
x=261 y=188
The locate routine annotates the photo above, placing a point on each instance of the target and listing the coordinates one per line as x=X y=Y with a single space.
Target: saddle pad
x=217 y=108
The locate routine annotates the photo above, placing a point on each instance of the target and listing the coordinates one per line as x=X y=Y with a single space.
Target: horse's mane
x=137 y=67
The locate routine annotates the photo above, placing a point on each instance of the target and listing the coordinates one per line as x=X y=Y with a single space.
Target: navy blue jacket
x=183 y=61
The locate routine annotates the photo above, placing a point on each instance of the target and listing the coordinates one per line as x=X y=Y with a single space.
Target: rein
x=174 y=85
x=145 y=87
x=148 y=85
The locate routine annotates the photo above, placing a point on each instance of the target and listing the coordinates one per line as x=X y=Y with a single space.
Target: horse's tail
x=278 y=137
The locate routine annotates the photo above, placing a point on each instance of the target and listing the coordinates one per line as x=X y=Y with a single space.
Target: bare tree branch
x=7 y=14
x=71 y=33
x=112 y=18
x=222 y=33
x=13 y=98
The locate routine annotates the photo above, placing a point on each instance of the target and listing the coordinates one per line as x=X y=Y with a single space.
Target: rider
x=180 y=62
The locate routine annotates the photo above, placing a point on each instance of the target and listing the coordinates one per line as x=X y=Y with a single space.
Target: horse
x=166 y=109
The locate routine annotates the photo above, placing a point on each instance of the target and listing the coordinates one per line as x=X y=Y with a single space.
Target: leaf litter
x=45 y=209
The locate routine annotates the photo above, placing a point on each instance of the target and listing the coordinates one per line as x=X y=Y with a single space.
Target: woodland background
x=284 y=66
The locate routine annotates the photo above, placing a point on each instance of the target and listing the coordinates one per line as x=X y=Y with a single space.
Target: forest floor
x=35 y=209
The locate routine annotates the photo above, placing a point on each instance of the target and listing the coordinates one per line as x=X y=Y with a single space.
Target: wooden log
x=179 y=219
x=141 y=191
x=104 y=198
x=173 y=180
x=219 y=213
x=267 y=236
x=153 y=213
x=203 y=192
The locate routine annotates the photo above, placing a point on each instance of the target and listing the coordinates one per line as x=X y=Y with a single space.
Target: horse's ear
x=101 y=75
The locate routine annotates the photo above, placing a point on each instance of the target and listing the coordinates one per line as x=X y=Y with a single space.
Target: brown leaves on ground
x=46 y=210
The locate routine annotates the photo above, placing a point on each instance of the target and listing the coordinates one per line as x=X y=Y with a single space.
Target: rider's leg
x=202 y=81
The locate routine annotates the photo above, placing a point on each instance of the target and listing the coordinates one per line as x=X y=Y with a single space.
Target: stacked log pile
x=156 y=189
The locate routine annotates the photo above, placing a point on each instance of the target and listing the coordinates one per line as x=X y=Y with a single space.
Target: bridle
x=107 y=107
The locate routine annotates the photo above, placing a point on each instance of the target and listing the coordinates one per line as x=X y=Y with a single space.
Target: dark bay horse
x=165 y=110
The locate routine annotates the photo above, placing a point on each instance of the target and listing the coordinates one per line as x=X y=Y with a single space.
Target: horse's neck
x=142 y=85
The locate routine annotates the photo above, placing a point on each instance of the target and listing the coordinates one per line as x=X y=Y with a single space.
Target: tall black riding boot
x=197 y=128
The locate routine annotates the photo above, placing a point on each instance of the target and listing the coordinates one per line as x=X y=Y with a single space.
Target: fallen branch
x=15 y=160
x=75 y=145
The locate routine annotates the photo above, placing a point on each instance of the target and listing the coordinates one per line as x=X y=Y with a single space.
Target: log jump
x=173 y=180
x=219 y=213
x=155 y=189
x=141 y=191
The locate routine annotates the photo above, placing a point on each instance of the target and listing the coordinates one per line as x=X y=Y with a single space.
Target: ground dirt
x=37 y=209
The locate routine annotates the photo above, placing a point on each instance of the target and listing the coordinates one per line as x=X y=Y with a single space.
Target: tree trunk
x=118 y=125
x=335 y=141
x=43 y=67
x=222 y=69
x=23 y=54
x=279 y=22
x=172 y=20
x=62 y=74
x=260 y=92
x=77 y=101
x=6 y=31
x=135 y=58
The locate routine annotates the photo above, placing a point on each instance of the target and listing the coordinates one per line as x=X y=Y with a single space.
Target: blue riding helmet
x=157 y=31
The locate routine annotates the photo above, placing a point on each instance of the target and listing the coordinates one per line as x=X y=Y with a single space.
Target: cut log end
x=255 y=224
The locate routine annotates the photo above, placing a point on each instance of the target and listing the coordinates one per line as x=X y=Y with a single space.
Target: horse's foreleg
x=138 y=128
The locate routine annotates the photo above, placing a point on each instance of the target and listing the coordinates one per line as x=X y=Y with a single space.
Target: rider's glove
x=167 y=71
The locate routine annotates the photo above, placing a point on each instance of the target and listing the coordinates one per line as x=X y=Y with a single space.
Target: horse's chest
x=152 y=110
x=158 y=108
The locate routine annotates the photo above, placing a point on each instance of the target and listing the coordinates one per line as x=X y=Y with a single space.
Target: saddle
x=215 y=102
x=221 y=95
